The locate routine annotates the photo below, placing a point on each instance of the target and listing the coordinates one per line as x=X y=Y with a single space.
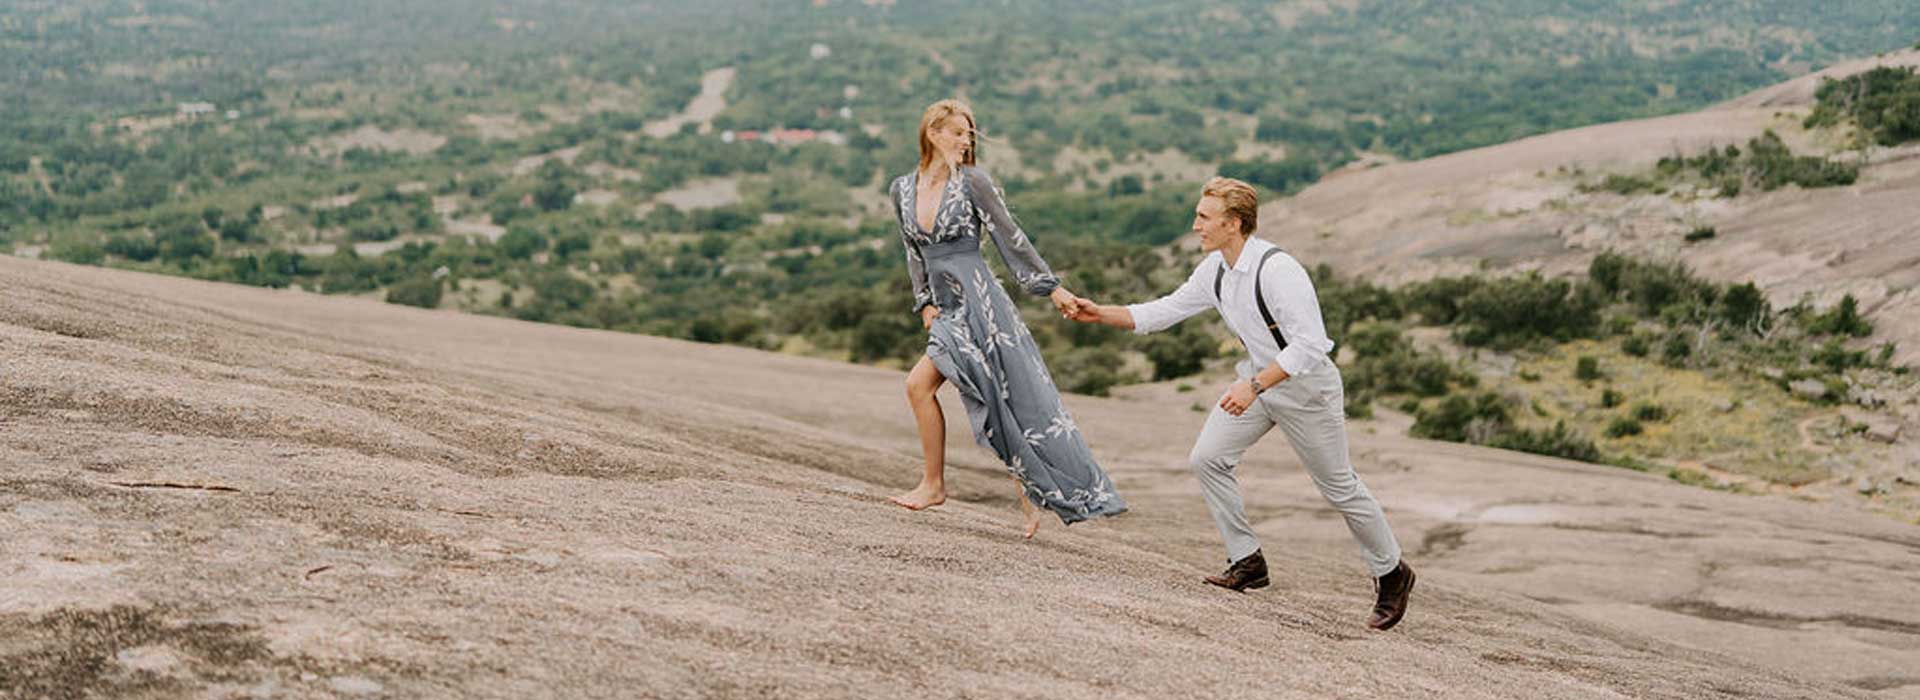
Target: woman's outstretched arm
x=1022 y=259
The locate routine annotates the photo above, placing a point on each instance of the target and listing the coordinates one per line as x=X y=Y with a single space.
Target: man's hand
x=1239 y=396
x=927 y=314
x=1089 y=313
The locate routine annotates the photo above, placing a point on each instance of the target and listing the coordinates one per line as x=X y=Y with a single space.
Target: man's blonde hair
x=1242 y=201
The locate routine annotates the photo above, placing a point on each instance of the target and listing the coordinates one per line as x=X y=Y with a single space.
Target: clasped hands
x=1074 y=307
x=1239 y=396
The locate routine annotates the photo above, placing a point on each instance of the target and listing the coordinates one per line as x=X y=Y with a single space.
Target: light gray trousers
x=1310 y=410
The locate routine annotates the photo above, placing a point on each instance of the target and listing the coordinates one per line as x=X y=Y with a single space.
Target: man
x=1297 y=387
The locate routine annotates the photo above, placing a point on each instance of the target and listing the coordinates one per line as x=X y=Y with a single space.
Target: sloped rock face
x=212 y=491
x=1517 y=206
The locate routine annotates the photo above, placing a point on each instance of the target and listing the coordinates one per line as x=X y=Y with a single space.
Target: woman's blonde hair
x=1242 y=201
x=939 y=112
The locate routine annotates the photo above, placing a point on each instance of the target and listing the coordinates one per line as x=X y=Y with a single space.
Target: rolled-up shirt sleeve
x=1194 y=296
x=1289 y=294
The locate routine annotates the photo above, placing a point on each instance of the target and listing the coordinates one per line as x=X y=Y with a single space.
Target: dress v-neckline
x=937 y=208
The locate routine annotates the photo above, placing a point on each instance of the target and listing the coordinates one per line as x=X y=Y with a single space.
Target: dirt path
x=946 y=67
x=39 y=175
x=702 y=108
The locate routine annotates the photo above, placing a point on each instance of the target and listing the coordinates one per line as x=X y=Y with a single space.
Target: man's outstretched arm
x=1191 y=298
x=1116 y=316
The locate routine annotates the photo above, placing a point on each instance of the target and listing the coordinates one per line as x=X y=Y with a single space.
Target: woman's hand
x=1065 y=302
x=927 y=314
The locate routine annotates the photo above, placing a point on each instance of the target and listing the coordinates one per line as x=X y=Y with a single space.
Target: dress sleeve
x=916 y=265
x=991 y=207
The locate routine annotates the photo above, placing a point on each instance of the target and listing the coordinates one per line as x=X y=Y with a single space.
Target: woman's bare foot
x=1033 y=517
x=921 y=497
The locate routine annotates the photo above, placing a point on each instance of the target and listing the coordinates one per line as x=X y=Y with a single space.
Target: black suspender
x=1258 y=298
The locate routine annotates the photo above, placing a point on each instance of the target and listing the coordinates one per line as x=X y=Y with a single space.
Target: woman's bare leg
x=922 y=383
x=1028 y=509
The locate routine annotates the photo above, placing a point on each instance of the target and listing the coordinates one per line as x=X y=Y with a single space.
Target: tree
x=520 y=243
x=184 y=242
x=563 y=290
x=135 y=248
x=1744 y=307
x=883 y=335
x=714 y=245
x=553 y=194
x=1289 y=174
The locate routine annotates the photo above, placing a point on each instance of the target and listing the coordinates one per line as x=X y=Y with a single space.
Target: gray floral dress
x=980 y=344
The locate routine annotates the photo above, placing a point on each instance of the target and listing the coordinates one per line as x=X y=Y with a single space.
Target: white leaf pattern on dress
x=1061 y=424
x=985 y=296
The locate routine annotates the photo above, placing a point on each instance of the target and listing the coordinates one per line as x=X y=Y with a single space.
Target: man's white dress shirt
x=1289 y=295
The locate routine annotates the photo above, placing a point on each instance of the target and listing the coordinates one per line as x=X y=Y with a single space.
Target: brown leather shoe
x=1249 y=572
x=1395 y=588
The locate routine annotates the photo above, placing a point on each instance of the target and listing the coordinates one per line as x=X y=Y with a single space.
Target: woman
x=975 y=337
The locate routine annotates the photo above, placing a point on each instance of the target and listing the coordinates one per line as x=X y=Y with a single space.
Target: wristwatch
x=1255 y=381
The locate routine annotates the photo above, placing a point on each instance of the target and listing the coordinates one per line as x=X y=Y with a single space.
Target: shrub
x=1358 y=406
x=1636 y=345
x=553 y=195
x=1587 y=368
x=1437 y=301
x=1621 y=184
x=1623 y=427
x=1773 y=166
x=1649 y=412
x=135 y=248
x=521 y=243
x=1885 y=101
x=1509 y=312
x=1388 y=363
x=1344 y=302
x=1610 y=398
x=1834 y=355
x=1700 y=234
x=1091 y=371
x=1609 y=270
x=1179 y=353
x=1558 y=442
x=882 y=335
x=1843 y=319
x=77 y=252
x=1676 y=350
x=423 y=292
x=732 y=326
x=184 y=242
x=372 y=232
x=1744 y=307
x=1460 y=418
